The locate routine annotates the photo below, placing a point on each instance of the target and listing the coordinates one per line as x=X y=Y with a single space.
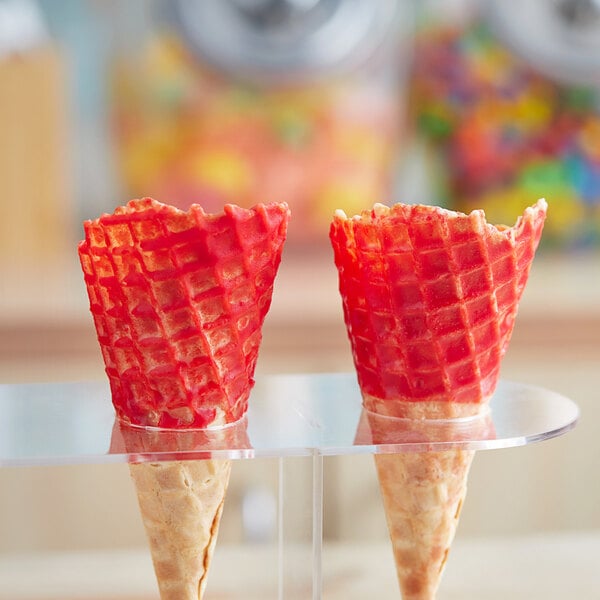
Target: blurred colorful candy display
x=502 y=135
x=187 y=133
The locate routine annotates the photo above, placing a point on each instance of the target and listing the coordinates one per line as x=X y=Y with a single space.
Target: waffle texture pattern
x=422 y=493
x=178 y=300
x=181 y=504
x=430 y=298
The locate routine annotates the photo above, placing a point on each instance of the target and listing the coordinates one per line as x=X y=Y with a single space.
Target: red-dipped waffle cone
x=178 y=300
x=430 y=298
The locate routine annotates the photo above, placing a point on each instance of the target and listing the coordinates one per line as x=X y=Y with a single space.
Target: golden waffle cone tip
x=423 y=492
x=181 y=503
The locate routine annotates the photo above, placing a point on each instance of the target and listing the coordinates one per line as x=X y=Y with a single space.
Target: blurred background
x=323 y=104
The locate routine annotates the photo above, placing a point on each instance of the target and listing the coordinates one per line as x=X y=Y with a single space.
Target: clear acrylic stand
x=293 y=418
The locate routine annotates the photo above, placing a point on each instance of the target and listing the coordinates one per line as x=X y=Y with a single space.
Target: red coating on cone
x=430 y=297
x=178 y=300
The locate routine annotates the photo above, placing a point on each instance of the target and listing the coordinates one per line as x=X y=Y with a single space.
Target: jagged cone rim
x=141 y=205
x=424 y=212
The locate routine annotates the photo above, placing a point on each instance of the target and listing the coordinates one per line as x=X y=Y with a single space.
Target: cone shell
x=423 y=487
x=178 y=300
x=430 y=298
x=181 y=503
x=422 y=493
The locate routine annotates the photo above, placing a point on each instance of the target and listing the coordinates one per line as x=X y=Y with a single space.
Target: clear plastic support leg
x=317 y=518
x=300 y=529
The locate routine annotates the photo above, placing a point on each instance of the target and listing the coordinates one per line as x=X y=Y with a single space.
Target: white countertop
x=555 y=566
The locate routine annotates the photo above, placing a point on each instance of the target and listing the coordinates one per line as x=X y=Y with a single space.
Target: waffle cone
x=181 y=504
x=430 y=298
x=180 y=501
x=423 y=488
x=178 y=300
x=422 y=494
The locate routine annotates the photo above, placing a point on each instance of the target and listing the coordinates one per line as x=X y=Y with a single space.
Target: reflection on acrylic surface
x=289 y=415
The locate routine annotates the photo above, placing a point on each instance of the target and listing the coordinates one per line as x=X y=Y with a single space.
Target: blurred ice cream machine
x=251 y=101
x=304 y=101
